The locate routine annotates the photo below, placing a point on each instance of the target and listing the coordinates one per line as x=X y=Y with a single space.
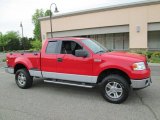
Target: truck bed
x=30 y=59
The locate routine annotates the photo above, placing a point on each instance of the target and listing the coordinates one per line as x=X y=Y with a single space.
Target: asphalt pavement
x=46 y=101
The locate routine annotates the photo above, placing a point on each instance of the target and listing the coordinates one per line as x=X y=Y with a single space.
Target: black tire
x=114 y=94
x=23 y=79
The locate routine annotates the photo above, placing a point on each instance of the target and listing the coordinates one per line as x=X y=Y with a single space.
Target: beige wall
x=134 y=16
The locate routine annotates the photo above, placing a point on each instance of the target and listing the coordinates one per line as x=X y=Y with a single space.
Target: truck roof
x=66 y=38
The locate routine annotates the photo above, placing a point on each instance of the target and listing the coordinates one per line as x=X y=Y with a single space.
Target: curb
x=154 y=64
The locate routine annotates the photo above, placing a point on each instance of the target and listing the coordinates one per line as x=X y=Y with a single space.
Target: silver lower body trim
x=64 y=76
x=35 y=73
x=138 y=84
x=9 y=70
x=70 y=77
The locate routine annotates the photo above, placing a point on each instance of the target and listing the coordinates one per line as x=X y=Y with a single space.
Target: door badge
x=97 y=60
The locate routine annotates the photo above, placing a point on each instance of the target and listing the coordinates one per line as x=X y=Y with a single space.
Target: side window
x=51 y=47
x=69 y=47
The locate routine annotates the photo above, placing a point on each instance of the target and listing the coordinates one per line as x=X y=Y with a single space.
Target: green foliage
x=38 y=13
x=8 y=40
x=4 y=60
x=12 y=42
x=3 y=42
x=149 y=54
x=12 y=35
x=47 y=13
x=25 y=43
x=36 y=45
x=155 y=57
x=152 y=56
x=36 y=22
x=156 y=54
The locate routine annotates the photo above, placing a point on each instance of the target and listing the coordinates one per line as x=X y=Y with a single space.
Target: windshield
x=94 y=46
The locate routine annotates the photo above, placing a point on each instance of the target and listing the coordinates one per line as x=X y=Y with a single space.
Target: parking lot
x=58 y=102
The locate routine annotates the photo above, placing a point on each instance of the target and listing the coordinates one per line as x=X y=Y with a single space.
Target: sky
x=13 y=12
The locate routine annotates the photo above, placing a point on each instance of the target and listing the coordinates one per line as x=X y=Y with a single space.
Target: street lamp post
x=22 y=36
x=55 y=11
x=22 y=28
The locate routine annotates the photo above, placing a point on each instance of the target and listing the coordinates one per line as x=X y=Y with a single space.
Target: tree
x=36 y=22
x=13 y=44
x=2 y=41
x=25 y=43
x=38 y=13
x=36 y=45
x=48 y=12
x=12 y=35
x=6 y=38
x=11 y=39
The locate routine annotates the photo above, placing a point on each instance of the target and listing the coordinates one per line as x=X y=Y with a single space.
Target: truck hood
x=127 y=55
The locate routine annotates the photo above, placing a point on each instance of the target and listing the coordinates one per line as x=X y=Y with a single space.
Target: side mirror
x=81 y=53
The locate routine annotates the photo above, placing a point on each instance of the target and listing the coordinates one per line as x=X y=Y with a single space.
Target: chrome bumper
x=9 y=70
x=139 y=84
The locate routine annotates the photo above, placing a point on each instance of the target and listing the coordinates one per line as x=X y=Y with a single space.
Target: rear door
x=49 y=60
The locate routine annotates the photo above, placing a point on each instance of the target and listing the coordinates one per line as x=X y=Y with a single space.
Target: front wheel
x=23 y=79
x=115 y=89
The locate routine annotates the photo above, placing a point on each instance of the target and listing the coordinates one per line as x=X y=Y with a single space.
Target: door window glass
x=69 y=47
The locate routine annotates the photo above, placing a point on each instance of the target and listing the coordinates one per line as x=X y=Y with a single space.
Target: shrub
x=4 y=60
x=149 y=54
x=156 y=54
x=36 y=45
x=155 y=57
x=152 y=56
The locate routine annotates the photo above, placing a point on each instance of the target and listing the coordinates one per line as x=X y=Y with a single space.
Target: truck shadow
x=79 y=92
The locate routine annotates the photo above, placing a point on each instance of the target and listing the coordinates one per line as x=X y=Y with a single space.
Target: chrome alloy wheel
x=21 y=79
x=114 y=90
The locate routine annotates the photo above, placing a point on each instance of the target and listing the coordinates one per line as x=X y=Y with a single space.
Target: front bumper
x=139 y=84
x=9 y=70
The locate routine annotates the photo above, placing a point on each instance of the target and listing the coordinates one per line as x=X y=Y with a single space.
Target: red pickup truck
x=81 y=62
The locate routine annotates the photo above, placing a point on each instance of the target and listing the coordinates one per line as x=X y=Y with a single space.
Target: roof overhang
x=105 y=8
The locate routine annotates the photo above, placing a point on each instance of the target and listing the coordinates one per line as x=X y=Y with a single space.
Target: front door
x=70 y=67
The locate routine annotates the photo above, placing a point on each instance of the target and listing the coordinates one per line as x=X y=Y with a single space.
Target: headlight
x=139 y=66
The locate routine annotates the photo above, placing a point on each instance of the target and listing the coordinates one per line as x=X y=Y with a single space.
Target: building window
x=154 y=40
x=115 y=41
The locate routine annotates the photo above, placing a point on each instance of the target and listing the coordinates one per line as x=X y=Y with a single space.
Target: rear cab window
x=51 y=47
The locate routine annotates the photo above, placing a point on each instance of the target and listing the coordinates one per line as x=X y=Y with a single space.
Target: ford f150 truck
x=81 y=62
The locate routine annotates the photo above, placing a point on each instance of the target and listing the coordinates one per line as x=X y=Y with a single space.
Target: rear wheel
x=115 y=89
x=23 y=79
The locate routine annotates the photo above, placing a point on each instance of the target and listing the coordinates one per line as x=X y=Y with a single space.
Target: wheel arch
x=110 y=71
x=19 y=66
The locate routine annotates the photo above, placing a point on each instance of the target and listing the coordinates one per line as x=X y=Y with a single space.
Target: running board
x=69 y=83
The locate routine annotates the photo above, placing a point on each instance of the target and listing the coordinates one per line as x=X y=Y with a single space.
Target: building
x=120 y=27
